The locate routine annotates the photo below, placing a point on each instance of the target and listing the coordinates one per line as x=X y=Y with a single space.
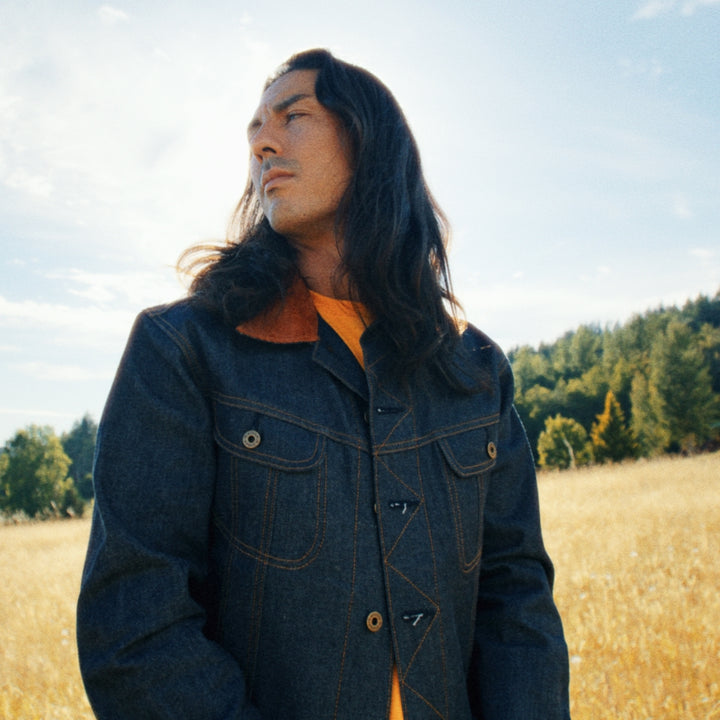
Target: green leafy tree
x=563 y=444
x=79 y=446
x=534 y=407
x=34 y=479
x=611 y=438
x=584 y=395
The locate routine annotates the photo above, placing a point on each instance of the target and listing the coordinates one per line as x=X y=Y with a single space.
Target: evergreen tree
x=659 y=383
x=709 y=343
x=585 y=350
x=650 y=431
x=703 y=310
x=681 y=378
x=611 y=438
x=563 y=444
x=79 y=445
x=530 y=368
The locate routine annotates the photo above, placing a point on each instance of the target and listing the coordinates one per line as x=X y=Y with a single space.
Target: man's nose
x=265 y=142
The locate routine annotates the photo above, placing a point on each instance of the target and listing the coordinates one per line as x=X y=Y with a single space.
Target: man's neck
x=319 y=267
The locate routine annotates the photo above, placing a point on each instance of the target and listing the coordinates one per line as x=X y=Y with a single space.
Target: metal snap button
x=251 y=439
x=374 y=621
x=491 y=450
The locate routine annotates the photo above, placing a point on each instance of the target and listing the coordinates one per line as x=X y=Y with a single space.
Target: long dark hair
x=394 y=235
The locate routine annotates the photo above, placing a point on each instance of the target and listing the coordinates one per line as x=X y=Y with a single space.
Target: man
x=314 y=498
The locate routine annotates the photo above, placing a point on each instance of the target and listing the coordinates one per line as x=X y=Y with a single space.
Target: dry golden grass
x=636 y=549
x=40 y=568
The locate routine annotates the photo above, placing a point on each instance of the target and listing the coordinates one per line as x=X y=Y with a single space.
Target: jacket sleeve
x=520 y=663
x=141 y=615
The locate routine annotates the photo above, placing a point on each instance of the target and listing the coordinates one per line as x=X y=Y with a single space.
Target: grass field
x=40 y=566
x=636 y=550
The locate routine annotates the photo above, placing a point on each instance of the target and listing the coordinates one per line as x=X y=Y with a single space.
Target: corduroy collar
x=292 y=319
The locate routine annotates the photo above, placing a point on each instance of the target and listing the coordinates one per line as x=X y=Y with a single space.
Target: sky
x=574 y=146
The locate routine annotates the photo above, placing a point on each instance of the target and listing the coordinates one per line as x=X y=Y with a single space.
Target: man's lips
x=273 y=177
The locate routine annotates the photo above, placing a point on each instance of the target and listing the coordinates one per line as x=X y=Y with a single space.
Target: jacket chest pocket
x=271 y=486
x=468 y=456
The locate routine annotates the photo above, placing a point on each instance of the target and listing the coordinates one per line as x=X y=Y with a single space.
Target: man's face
x=299 y=159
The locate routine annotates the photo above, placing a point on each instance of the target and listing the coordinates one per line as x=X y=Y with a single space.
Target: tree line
x=43 y=475
x=647 y=387
x=639 y=389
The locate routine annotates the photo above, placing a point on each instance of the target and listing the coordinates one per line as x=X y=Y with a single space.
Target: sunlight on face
x=299 y=165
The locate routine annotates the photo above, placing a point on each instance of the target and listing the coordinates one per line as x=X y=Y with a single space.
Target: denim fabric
x=275 y=528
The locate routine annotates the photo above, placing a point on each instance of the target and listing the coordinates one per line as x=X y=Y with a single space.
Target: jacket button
x=251 y=439
x=491 y=450
x=374 y=621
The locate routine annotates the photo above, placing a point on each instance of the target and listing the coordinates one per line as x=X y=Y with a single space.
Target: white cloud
x=42 y=371
x=119 y=140
x=702 y=253
x=690 y=6
x=24 y=181
x=505 y=310
x=97 y=311
x=537 y=311
x=12 y=419
x=681 y=207
x=161 y=55
x=138 y=289
x=638 y=68
x=111 y=16
x=653 y=8
x=34 y=412
x=86 y=326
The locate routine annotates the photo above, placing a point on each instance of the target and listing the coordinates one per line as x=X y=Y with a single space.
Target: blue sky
x=574 y=146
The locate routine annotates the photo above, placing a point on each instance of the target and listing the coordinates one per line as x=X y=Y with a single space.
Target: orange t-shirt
x=349 y=320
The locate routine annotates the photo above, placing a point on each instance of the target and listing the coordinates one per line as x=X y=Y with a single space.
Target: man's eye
x=293 y=116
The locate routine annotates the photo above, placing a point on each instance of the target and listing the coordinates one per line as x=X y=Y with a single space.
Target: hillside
x=663 y=368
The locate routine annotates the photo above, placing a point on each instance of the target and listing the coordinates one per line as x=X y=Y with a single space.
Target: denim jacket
x=276 y=528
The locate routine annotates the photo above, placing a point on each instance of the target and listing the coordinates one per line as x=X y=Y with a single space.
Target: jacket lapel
x=294 y=319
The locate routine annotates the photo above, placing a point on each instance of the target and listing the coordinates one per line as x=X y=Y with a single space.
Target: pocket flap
x=266 y=439
x=471 y=451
